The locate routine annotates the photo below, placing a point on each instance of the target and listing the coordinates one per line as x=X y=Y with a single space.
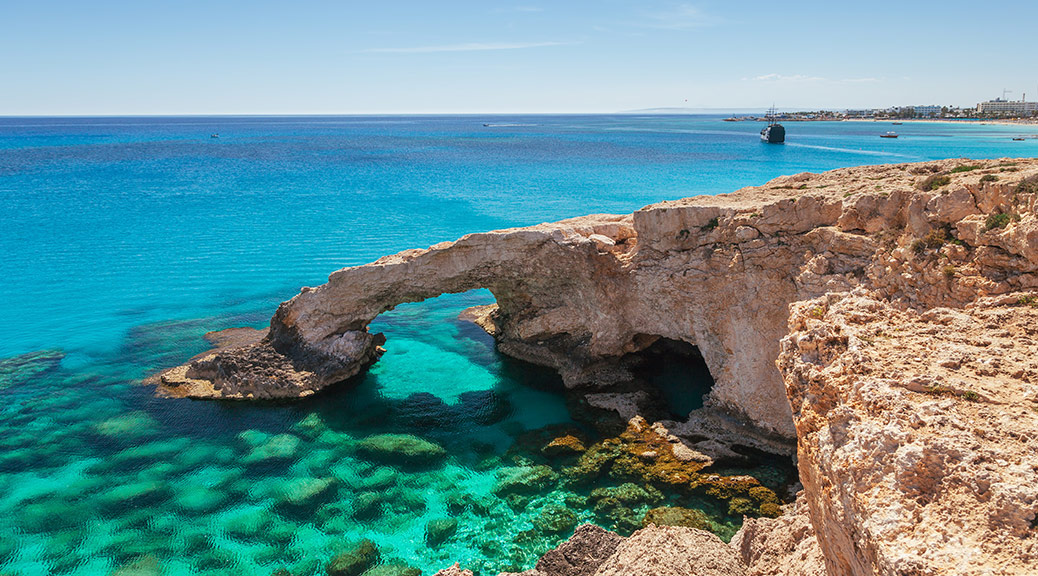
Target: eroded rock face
x=783 y=546
x=917 y=442
x=581 y=555
x=672 y=551
x=656 y=550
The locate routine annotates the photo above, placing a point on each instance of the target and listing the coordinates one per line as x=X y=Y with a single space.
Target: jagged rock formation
x=783 y=546
x=918 y=433
x=915 y=438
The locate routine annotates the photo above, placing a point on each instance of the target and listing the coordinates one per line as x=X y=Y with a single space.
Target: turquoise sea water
x=124 y=240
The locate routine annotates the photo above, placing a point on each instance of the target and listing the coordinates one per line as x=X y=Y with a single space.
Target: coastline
x=1021 y=122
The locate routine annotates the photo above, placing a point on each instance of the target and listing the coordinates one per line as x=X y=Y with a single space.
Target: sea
x=123 y=240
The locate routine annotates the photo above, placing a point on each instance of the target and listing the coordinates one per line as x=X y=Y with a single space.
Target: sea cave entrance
x=676 y=373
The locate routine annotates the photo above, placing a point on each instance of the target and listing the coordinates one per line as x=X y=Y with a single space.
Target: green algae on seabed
x=106 y=481
x=21 y=368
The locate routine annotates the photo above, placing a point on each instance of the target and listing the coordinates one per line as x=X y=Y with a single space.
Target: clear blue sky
x=259 y=57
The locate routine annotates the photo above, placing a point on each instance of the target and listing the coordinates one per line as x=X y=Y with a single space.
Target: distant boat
x=889 y=135
x=732 y=119
x=773 y=133
x=214 y=135
x=897 y=123
x=1019 y=139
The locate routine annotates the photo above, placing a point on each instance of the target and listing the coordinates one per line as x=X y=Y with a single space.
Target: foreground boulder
x=655 y=550
x=783 y=546
x=672 y=551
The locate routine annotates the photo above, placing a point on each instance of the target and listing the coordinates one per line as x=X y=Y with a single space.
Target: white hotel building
x=1002 y=107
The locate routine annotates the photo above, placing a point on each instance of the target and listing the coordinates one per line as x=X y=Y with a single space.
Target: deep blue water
x=123 y=240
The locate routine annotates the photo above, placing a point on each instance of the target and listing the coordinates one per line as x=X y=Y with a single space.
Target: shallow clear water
x=124 y=240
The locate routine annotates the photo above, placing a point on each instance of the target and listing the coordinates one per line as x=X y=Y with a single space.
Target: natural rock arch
x=717 y=272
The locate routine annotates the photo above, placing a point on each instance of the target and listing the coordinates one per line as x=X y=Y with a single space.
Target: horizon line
x=675 y=111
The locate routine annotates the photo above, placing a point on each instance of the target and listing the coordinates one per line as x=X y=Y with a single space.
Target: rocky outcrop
x=672 y=551
x=783 y=546
x=904 y=370
x=918 y=448
x=581 y=555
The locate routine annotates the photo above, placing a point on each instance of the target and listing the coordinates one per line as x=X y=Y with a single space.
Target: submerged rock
x=393 y=568
x=484 y=406
x=400 y=449
x=310 y=427
x=265 y=448
x=424 y=411
x=306 y=491
x=555 y=520
x=143 y=566
x=650 y=458
x=380 y=478
x=440 y=530
x=368 y=505
x=677 y=516
x=568 y=445
x=132 y=425
x=354 y=561
x=21 y=368
x=524 y=480
x=629 y=494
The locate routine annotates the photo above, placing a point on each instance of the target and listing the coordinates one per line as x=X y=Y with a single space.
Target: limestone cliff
x=918 y=433
x=905 y=372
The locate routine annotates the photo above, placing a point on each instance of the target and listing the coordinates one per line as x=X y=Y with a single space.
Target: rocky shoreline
x=880 y=317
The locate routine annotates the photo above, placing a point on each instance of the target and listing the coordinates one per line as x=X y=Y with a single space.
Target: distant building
x=1000 y=107
x=926 y=111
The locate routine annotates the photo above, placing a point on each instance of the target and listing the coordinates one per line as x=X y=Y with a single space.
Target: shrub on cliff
x=934 y=182
x=997 y=220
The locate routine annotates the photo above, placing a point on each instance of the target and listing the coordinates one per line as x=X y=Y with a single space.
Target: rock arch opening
x=676 y=372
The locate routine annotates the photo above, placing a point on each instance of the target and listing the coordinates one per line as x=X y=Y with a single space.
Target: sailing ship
x=773 y=133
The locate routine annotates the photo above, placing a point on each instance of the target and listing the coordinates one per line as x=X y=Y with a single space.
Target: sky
x=76 y=57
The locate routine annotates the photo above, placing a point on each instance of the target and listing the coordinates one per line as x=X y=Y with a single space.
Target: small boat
x=773 y=133
x=1019 y=139
x=889 y=135
x=732 y=119
x=214 y=135
x=897 y=123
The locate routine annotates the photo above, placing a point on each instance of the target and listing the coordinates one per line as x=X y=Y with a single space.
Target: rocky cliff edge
x=882 y=316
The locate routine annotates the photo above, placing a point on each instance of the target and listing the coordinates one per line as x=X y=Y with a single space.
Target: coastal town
x=998 y=109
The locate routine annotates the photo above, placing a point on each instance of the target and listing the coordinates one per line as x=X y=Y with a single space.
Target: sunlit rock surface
x=905 y=372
